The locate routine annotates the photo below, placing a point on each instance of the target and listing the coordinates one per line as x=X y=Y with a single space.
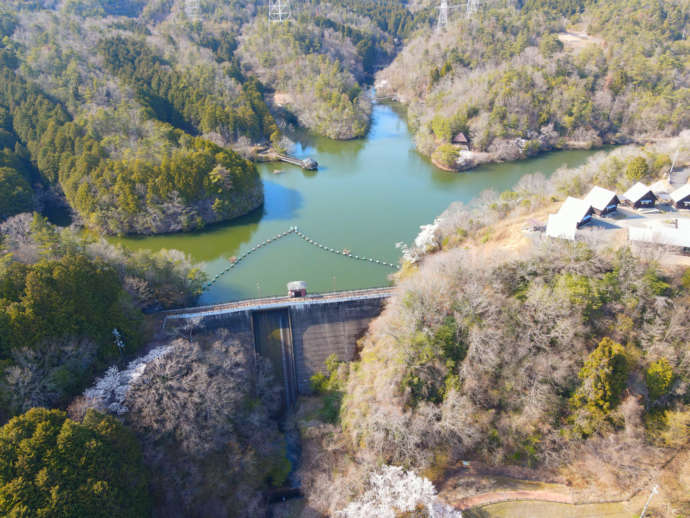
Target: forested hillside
x=547 y=75
x=133 y=111
x=124 y=153
x=69 y=306
x=562 y=361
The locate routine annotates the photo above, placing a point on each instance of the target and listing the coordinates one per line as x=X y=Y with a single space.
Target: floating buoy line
x=234 y=261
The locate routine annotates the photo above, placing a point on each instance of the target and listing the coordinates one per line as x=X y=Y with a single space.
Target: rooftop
x=681 y=193
x=460 y=138
x=599 y=198
x=574 y=209
x=560 y=226
x=636 y=192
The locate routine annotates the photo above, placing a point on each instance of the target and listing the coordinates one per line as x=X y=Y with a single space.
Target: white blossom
x=109 y=391
x=392 y=490
x=426 y=241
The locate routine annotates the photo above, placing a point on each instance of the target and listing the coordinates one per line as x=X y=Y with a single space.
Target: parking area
x=664 y=226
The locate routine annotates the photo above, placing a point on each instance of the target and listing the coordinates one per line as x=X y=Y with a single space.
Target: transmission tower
x=472 y=7
x=279 y=10
x=442 y=15
x=191 y=7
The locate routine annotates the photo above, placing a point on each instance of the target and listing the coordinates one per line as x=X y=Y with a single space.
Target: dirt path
x=578 y=40
x=507 y=496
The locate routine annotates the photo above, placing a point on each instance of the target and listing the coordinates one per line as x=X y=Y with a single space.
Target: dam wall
x=326 y=329
x=296 y=335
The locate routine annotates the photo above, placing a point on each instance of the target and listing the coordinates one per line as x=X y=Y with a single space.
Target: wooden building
x=639 y=196
x=572 y=215
x=576 y=210
x=602 y=200
x=461 y=141
x=681 y=197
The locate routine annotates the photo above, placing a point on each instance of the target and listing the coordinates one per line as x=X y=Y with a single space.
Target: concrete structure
x=681 y=197
x=602 y=200
x=295 y=334
x=639 y=196
x=297 y=289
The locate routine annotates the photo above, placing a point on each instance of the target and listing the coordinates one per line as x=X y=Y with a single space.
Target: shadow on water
x=281 y=203
x=206 y=244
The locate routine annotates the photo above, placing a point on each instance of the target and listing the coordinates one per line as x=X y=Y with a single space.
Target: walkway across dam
x=296 y=334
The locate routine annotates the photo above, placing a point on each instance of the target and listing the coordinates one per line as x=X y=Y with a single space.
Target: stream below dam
x=367 y=195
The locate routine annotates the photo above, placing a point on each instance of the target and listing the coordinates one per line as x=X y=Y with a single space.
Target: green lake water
x=366 y=196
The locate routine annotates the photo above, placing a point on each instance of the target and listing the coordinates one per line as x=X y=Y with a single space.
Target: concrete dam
x=295 y=334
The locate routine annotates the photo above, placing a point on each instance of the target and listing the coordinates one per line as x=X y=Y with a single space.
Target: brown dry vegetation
x=206 y=415
x=516 y=83
x=481 y=351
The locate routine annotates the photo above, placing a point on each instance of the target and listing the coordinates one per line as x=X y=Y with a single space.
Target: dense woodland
x=548 y=75
x=207 y=416
x=188 y=183
x=70 y=305
x=51 y=465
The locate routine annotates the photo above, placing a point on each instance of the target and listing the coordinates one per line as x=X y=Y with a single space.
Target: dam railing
x=275 y=302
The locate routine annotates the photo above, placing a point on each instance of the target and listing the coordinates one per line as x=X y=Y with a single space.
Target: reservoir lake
x=367 y=195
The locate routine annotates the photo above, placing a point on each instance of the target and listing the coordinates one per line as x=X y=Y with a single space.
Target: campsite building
x=461 y=141
x=639 y=196
x=572 y=215
x=576 y=210
x=681 y=197
x=602 y=200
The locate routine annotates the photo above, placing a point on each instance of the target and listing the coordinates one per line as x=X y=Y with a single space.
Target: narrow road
x=268 y=302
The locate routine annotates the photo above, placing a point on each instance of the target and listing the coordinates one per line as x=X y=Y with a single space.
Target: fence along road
x=275 y=303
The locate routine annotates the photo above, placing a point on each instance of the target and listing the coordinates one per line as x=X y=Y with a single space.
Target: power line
x=278 y=10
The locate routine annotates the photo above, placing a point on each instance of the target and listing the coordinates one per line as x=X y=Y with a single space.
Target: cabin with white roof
x=681 y=197
x=602 y=200
x=572 y=215
x=639 y=196
x=576 y=210
x=560 y=227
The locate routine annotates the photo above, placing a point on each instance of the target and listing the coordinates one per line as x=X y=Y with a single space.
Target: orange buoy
x=233 y=259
